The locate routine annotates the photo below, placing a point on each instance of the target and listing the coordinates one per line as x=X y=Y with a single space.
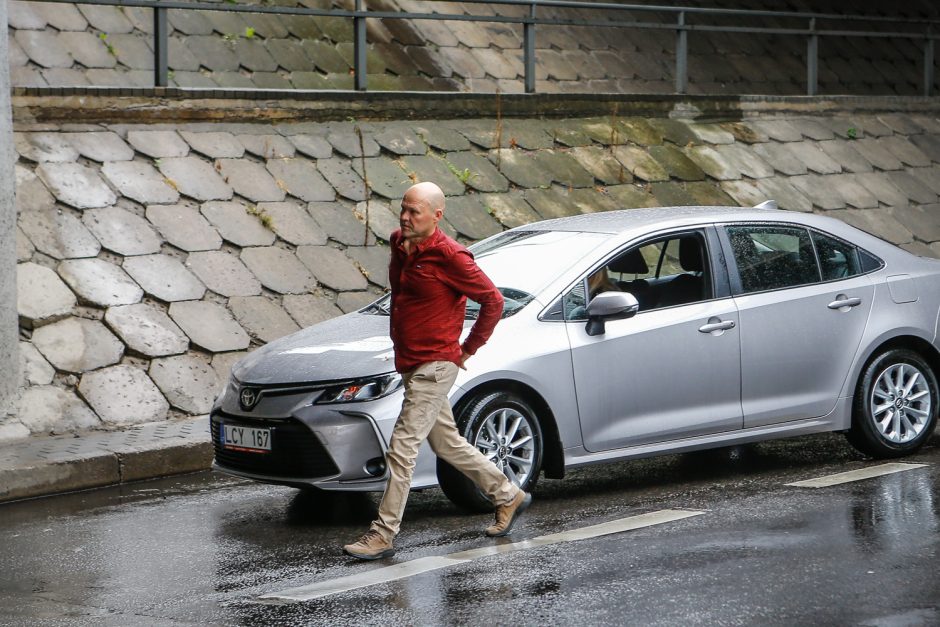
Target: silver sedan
x=625 y=334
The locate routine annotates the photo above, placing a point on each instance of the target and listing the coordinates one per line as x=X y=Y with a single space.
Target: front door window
x=663 y=273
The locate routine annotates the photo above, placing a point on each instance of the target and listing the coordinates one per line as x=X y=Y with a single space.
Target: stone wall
x=151 y=257
x=58 y=45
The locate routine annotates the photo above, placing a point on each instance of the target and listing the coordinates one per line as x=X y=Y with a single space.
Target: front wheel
x=896 y=405
x=503 y=427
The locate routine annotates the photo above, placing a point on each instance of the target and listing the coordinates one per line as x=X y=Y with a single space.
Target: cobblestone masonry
x=134 y=302
x=62 y=45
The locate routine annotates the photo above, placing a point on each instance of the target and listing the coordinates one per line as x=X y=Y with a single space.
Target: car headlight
x=363 y=390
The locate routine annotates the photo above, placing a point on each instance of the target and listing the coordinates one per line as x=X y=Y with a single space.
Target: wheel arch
x=916 y=343
x=553 y=460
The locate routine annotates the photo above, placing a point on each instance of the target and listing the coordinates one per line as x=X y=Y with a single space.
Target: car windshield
x=530 y=260
x=525 y=260
x=513 y=301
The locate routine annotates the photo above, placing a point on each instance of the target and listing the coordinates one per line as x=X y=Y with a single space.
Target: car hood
x=350 y=346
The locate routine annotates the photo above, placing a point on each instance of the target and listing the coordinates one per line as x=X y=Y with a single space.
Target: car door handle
x=711 y=327
x=839 y=303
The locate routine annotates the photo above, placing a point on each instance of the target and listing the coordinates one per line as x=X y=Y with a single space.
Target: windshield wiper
x=378 y=307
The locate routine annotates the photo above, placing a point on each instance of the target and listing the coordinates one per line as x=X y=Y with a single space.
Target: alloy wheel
x=900 y=403
x=506 y=439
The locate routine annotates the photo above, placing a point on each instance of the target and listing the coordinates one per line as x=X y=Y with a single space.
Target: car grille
x=295 y=451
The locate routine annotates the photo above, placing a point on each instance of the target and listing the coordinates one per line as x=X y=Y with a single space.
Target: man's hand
x=464 y=356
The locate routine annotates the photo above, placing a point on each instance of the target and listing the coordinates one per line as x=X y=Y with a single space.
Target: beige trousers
x=426 y=414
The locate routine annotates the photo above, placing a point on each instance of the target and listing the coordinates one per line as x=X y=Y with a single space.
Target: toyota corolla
x=624 y=334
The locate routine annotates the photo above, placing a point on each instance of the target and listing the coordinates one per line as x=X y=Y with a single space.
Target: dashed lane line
x=426 y=564
x=856 y=475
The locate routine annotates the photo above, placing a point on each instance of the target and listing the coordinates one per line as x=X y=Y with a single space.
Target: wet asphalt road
x=201 y=549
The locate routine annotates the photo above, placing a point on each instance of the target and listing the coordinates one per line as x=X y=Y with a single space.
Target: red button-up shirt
x=430 y=288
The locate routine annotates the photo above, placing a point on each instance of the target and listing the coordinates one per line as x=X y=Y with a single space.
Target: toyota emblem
x=248 y=398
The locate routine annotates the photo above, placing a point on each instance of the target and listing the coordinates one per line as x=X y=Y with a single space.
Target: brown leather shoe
x=507 y=514
x=371 y=546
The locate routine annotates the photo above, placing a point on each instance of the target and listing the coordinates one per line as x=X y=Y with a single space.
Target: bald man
x=431 y=277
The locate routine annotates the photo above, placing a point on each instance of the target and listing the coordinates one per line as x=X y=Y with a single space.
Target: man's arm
x=394 y=262
x=464 y=276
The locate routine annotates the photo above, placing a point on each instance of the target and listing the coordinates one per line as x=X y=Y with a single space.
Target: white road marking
x=856 y=475
x=426 y=564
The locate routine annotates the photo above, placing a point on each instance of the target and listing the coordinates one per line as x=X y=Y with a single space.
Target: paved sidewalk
x=41 y=466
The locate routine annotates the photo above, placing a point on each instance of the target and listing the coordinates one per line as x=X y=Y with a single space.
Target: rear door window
x=771 y=257
x=837 y=259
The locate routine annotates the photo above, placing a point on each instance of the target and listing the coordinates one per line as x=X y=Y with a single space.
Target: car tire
x=895 y=406
x=487 y=415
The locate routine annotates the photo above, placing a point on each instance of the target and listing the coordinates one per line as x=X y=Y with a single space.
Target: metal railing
x=919 y=30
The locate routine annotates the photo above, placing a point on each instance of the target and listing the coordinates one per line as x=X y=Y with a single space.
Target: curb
x=55 y=464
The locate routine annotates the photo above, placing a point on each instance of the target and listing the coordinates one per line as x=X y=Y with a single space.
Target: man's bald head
x=421 y=209
x=426 y=192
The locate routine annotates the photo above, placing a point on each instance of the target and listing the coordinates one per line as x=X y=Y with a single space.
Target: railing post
x=359 y=49
x=812 y=59
x=528 y=52
x=928 y=63
x=160 y=43
x=682 y=56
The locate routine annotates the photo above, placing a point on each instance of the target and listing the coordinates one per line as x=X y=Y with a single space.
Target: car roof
x=624 y=220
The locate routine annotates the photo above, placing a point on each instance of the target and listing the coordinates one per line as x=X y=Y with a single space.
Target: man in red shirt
x=431 y=277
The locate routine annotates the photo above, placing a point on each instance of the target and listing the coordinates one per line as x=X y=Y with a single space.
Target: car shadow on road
x=318 y=508
x=739 y=465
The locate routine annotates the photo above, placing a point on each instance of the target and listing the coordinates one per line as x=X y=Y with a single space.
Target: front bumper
x=332 y=447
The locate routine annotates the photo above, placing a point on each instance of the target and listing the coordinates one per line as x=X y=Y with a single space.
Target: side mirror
x=609 y=306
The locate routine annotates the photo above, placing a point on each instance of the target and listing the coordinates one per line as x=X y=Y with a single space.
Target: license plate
x=245 y=439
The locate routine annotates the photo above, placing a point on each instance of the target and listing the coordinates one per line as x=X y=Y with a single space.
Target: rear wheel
x=896 y=405
x=503 y=427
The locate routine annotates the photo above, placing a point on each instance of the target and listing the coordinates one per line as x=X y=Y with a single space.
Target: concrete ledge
x=97 y=104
